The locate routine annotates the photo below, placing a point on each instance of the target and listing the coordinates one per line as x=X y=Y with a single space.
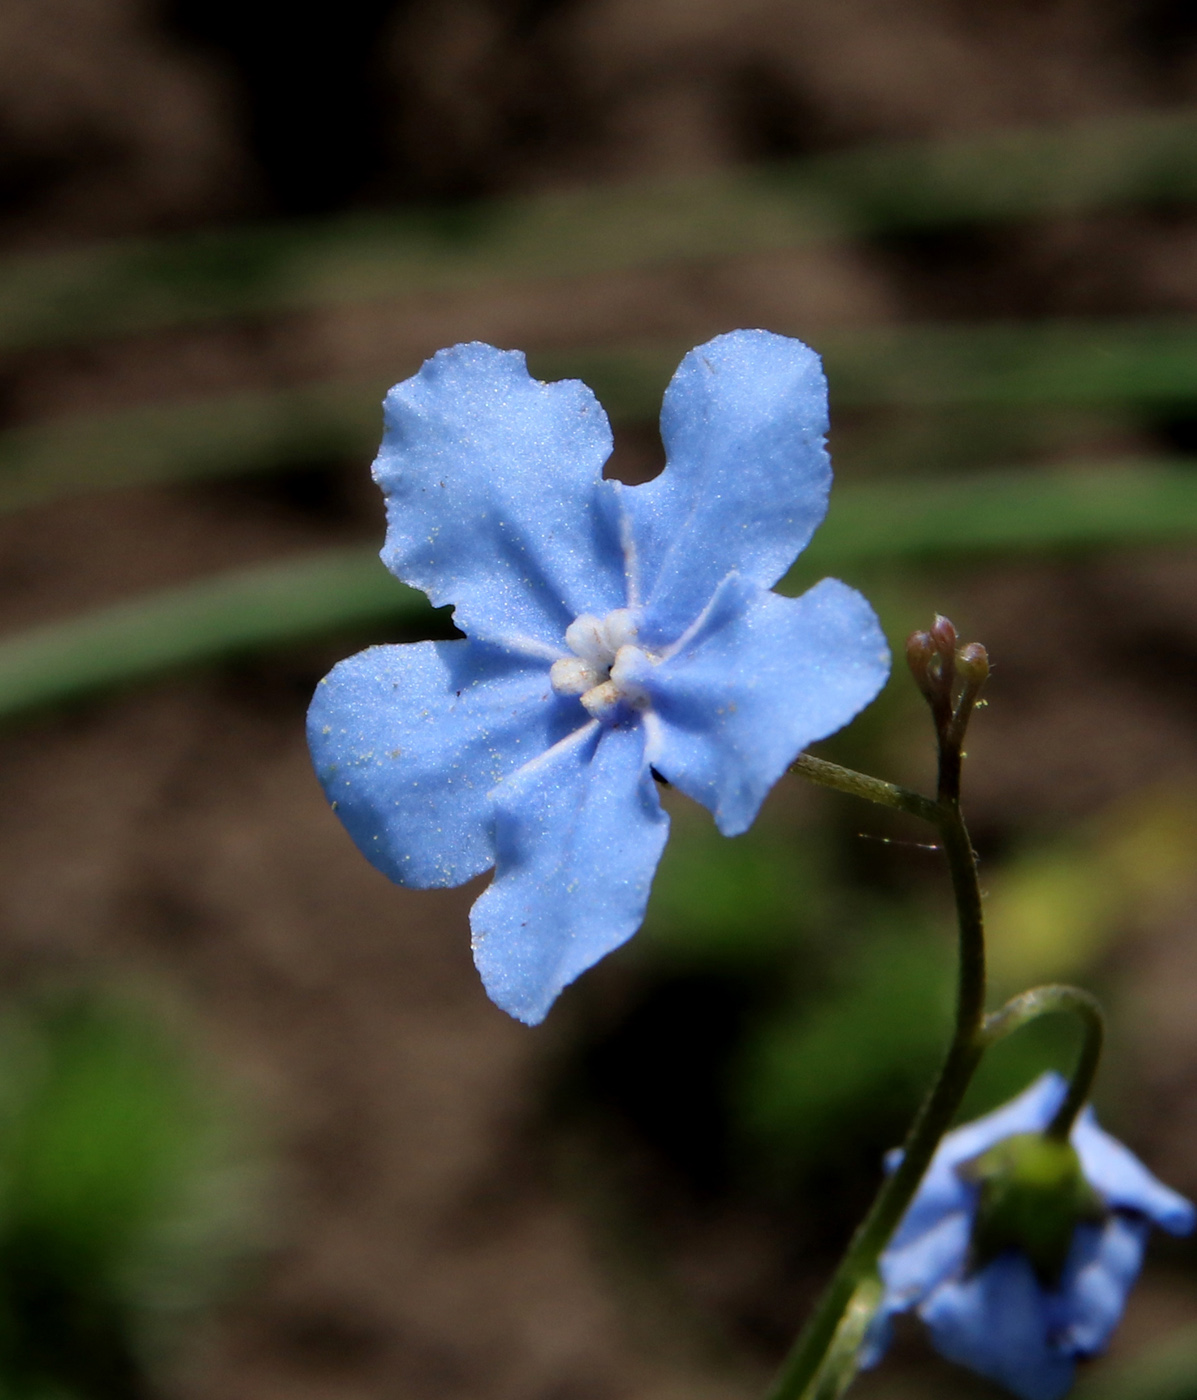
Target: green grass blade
x=1099 y=365
x=127 y=287
x=1068 y=362
x=1013 y=174
x=234 y=613
x=1084 y=507
x=348 y=589
x=201 y=439
x=1074 y=362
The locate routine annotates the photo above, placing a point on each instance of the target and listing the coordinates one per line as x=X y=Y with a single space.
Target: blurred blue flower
x=1001 y=1319
x=610 y=631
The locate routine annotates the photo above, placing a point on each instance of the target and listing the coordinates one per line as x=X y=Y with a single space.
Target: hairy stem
x=832 y=775
x=800 y=1372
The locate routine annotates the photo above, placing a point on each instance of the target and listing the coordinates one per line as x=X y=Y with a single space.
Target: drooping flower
x=611 y=632
x=1002 y=1313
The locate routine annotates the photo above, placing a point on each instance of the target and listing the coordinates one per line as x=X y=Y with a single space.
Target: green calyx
x=1033 y=1196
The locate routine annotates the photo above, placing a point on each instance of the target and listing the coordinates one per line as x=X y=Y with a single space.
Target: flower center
x=603 y=649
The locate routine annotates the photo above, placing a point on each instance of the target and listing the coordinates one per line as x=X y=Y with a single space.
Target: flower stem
x=951 y=678
x=1044 y=1001
x=800 y=1372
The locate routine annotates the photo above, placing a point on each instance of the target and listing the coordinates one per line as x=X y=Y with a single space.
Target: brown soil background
x=432 y=1237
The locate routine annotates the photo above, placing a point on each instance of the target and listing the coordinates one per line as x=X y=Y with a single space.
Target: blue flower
x=611 y=632
x=1000 y=1319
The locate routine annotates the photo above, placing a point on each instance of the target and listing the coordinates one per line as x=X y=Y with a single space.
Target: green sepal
x=1033 y=1196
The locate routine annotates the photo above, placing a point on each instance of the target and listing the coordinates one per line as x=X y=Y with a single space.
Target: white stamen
x=603 y=665
x=572 y=676
x=628 y=660
x=601 y=700
x=619 y=629
x=585 y=638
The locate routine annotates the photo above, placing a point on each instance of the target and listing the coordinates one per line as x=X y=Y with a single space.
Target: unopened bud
x=951 y=680
x=919 y=651
x=943 y=636
x=926 y=665
x=972 y=665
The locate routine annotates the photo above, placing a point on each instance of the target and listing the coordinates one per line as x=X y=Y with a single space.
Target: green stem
x=807 y=1373
x=1045 y=1001
x=800 y=1371
x=819 y=770
x=839 y=1367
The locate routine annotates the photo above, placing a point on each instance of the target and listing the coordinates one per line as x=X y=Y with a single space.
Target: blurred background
x=261 y=1133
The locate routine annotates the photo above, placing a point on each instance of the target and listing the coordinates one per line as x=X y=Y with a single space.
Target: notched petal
x=495 y=497
x=747 y=475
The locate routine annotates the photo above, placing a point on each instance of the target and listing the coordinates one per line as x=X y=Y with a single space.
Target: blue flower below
x=1000 y=1319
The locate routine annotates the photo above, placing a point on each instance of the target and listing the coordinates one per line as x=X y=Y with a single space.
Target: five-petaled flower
x=1000 y=1317
x=612 y=632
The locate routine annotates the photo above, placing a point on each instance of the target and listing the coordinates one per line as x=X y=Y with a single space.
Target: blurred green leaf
x=117 y=1194
x=204 y=439
x=737 y=901
x=1081 y=506
x=276 y=604
x=1088 y=362
x=232 y=613
x=141 y=286
x=865 y=1050
x=100 y=1125
x=1017 y=363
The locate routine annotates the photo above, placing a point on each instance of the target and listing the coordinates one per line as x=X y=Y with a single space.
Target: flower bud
x=943 y=636
x=1033 y=1196
x=919 y=651
x=972 y=665
x=934 y=673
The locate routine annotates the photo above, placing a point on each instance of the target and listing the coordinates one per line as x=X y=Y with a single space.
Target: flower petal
x=1101 y=1270
x=910 y=1273
x=1030 y=1112
x=408 y=742
x=757 y=679
x=912 y=1270
x=495 y=497
x=996 y=1323
x=744 y=424
x=1124 y=1181
x=578 y=835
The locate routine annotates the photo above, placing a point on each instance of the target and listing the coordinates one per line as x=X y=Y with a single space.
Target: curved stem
x=801 y=1369
x=1044 y=1001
